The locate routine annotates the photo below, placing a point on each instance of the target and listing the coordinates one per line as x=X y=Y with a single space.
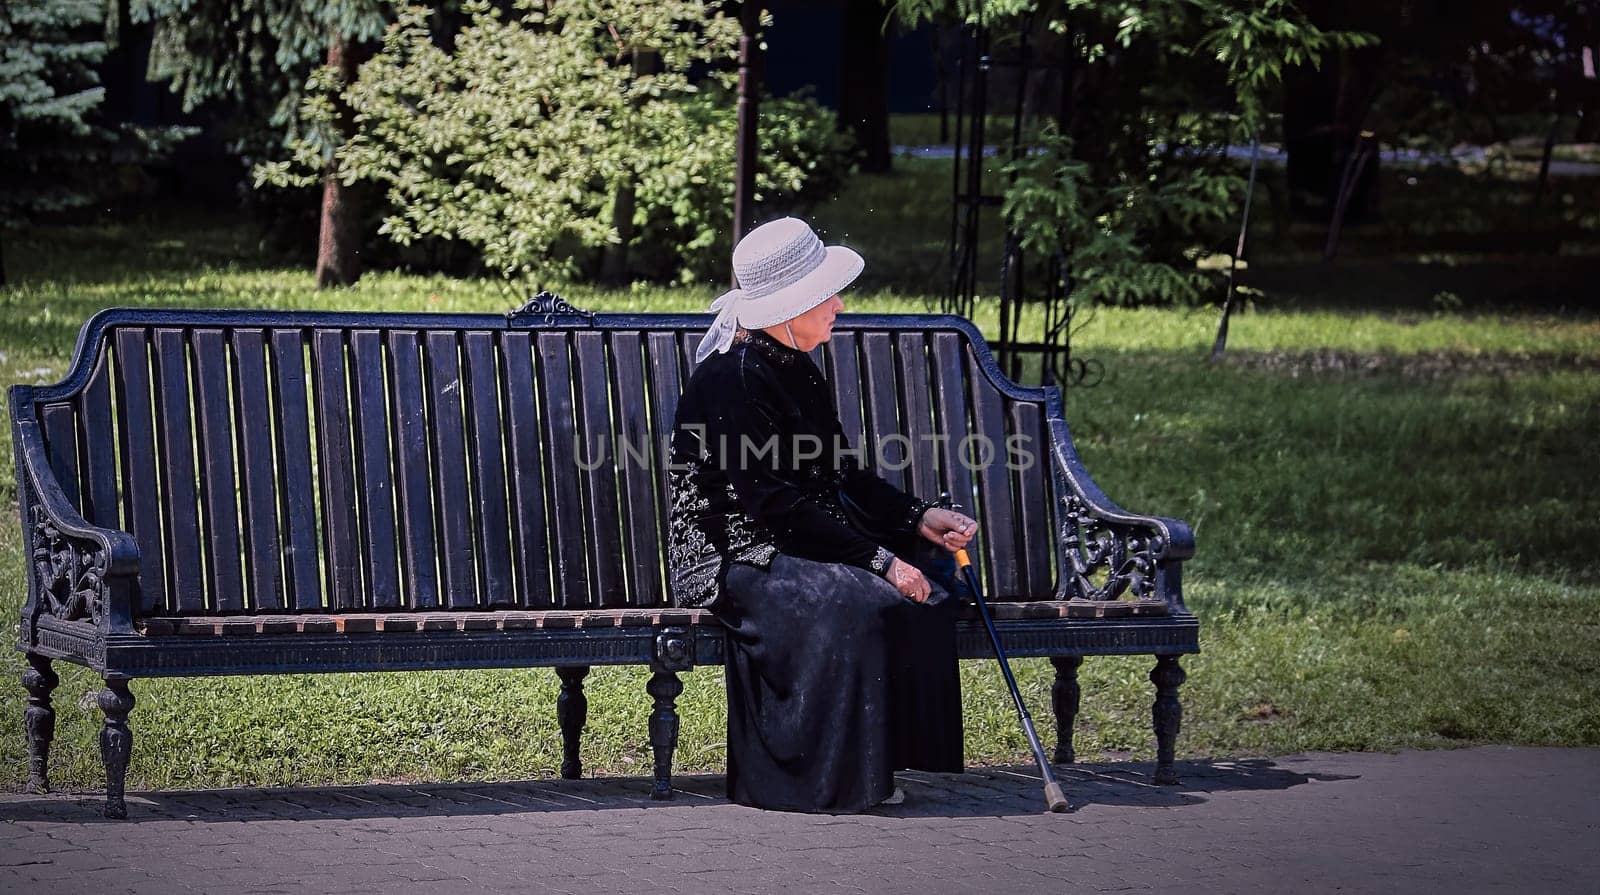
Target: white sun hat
x=783 y=270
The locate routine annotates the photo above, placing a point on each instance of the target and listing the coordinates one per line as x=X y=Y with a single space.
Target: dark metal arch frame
x=968 y=198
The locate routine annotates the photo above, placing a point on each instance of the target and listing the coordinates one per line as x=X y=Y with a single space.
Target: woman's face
x=811 y=328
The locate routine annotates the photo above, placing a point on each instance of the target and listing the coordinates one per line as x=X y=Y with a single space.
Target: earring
x=792 y=343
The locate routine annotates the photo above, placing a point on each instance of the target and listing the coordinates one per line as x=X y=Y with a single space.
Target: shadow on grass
x=981 y=792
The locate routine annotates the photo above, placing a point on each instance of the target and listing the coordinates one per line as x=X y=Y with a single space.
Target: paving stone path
x=1493 y=819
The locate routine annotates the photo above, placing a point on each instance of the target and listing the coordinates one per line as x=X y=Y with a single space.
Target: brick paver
x=1492 y=819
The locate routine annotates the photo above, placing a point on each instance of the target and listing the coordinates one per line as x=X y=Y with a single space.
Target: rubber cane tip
x=1056 y=797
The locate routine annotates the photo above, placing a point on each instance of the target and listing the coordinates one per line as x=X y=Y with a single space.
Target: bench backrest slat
x=100 y=499
x=60 y=425
x=994 y=482
x=844 y=370
x=485 y=439
x=375 y=467
x=883 y=411
x=593 y=444
x=258 y=488
x=297 y=488
x=570 y=573
x=413 y=480
x=634 y=459
x=530 y=531
x=336 y=472
x=954 y=425
x=300 y=465
x=218 y=474
x=175 y=446
x=920 y=426
x=688 y=344
x=141 y=492
x=452 y=501
x=1025 y=420
x=668 y=373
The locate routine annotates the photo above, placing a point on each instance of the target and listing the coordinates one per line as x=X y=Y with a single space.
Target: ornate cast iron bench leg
x=39 y=720
x=572 y=711
x=1064 y=699
x=1167 y=715
x=116 y=743
x=674 y=652
x=664 y=687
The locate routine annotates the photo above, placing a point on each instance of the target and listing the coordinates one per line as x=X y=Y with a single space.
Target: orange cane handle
x=961 y=558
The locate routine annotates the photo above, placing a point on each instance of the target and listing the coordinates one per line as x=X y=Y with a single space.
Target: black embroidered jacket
x=759 y=461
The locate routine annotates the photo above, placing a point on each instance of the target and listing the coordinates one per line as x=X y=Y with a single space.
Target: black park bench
x=260 y=492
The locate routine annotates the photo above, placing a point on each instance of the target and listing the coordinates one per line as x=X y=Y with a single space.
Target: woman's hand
x=908 y=580
x=947 y=528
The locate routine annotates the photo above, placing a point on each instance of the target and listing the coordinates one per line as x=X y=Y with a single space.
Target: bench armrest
x=1103 y=550
x=77 y=571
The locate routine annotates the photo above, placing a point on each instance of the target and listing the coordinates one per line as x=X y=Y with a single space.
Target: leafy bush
x=685 y=198
x=1133 y=187
x=1105 y=231
x=541 y=138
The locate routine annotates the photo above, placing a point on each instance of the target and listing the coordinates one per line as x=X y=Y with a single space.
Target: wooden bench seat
x=411 y=623
x=554 y=619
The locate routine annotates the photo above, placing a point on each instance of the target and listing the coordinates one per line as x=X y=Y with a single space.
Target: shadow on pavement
x=981 y=792
x=1018 y=790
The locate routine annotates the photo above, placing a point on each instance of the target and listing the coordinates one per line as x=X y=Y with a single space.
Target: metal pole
x=1011 y=270
x=980 y=111
x=1221 y=343
x=957 y=246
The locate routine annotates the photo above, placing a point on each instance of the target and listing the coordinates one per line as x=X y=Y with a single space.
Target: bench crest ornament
x=545 y=307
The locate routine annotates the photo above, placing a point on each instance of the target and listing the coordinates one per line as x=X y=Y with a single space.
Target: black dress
x=834 y=679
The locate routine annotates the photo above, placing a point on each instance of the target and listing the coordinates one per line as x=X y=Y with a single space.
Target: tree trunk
x=614 y=258
x=338 y=245
x=747 y=138
x=339 y=236
x=1544 y=161
x=1093 y=91
x=1366 y=151
x=1047 y=53
x=863 y=81
x=1324 y=112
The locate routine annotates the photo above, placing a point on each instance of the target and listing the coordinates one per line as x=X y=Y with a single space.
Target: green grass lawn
x=1395 y=511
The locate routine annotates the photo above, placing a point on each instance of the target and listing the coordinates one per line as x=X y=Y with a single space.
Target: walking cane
x=1052 y=790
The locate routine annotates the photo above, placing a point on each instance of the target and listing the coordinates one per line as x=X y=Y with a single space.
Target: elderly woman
x=837 y=589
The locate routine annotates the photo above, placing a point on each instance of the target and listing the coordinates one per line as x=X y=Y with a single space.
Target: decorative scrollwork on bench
x=545 y=307
x=70 y=571
x=1123 y=557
